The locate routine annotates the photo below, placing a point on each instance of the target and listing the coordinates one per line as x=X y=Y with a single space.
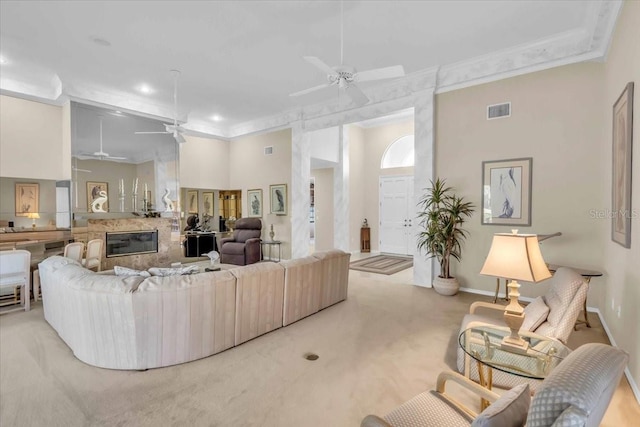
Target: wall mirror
x=133 y=171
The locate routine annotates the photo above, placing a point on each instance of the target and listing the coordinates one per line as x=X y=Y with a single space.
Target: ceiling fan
x=175 y=129
x=100 y=154
x=345 y=76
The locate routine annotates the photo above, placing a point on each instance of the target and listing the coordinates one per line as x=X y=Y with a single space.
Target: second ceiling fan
x=175 y=129
x=345 y=76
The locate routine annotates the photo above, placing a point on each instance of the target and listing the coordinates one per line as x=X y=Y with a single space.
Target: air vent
x=268 y=151
x=498 y=111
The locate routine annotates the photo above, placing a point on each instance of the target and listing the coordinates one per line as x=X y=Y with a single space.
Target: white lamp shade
x=33 y=215
x=516 y=257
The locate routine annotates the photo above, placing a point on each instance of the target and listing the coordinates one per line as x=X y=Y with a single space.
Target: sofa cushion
x=510 y=410
x=179 y=282
x=534 y=314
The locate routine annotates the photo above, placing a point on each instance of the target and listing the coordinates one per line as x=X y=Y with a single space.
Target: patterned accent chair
x=552 y=315
x=244 y=247
x=576 y=393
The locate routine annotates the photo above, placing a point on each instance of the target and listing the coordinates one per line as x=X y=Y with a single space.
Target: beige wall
x=250 y=169
x=204 y=163
x=324 y=208
x=621 y=283
x=556 y=120
x=31 y=140
x=376 y=141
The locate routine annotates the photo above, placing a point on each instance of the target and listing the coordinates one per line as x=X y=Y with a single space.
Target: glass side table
x=482 y=343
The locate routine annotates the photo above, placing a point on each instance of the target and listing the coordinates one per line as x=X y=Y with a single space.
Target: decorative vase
x=446 y=286
x=271 y=233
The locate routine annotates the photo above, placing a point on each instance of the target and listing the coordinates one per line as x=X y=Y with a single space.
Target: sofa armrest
x=481 y=304
x=253 y=241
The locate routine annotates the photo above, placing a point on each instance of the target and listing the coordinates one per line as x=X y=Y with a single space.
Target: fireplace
x=123 y=243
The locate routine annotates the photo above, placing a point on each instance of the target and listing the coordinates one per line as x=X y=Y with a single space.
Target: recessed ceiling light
x=100 y=41
x=144 y=88
x=3 y=60
x=216 y=118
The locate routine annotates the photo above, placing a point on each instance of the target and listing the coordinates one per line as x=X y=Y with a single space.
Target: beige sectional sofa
x=134 y=322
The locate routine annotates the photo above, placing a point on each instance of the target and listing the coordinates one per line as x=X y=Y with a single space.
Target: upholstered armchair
x=552 y=315
x=576 y=393
x=244 y=247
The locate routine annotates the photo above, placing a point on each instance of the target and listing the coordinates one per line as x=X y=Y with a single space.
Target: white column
x=423 y=173
x=341 y=192
x=299 y=192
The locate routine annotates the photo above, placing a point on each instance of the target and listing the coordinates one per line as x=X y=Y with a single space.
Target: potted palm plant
x=442 y=215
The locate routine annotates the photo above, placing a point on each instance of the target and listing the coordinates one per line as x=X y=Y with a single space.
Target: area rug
x=382 y=264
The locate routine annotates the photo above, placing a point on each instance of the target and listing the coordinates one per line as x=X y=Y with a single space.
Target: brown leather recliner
x=244 y=247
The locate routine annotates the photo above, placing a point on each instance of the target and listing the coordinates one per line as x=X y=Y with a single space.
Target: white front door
x=396 y=215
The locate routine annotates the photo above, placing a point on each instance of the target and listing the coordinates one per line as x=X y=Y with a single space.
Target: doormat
x=382 y=264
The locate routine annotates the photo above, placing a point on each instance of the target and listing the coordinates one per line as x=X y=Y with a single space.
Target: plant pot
x=446 y=286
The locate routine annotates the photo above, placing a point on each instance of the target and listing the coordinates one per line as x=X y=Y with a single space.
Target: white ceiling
x=241 y=59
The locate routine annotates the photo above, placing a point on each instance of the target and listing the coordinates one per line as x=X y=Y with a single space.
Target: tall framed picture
x=97 y=196
x=506 y=192
x=254 y=203
x=27 y=198
x=192 y=201
x=621 y=179
x=207 y=202
x=278 y=198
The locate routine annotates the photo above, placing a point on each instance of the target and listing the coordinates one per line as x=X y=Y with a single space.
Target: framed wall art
x=254 y=202
x=27 y=198
x=278 y=197
x=97 y=191
x=506 y=192
x=207 y=202
x=192 y=201
x=621 y=180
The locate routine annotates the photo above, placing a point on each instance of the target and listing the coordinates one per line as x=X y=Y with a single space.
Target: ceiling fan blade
x=380 y=73
x=356 y=95
x=115 y=158
x=179 y=138
x=317 y=62
x=312 y=89
x=151 y=133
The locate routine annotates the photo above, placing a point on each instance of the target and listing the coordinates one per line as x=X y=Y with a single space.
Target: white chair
x=94 y=255
x=14 y=274
x=74 y=251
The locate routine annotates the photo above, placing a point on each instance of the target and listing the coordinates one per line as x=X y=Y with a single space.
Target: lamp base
x=511 y=345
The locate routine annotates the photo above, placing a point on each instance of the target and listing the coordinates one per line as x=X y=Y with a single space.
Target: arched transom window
x=399 y=154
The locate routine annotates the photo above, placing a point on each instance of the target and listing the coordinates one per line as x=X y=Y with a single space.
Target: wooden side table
x=365 y=239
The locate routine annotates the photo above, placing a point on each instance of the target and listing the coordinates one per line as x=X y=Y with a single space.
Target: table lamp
x=515 y=257
x=33 y=216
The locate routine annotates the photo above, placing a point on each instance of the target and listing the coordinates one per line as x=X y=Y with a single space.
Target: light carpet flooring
x=382 y=346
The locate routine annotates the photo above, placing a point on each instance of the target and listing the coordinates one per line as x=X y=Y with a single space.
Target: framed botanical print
x=506 y=192
x=192 y=201
x=254 y=203
x=621 y=179
x=27 y=198
x=278 y=198
x=97 y=196
x=207 y=202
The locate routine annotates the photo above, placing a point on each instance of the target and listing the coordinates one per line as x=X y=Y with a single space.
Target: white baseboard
x=627 y=372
